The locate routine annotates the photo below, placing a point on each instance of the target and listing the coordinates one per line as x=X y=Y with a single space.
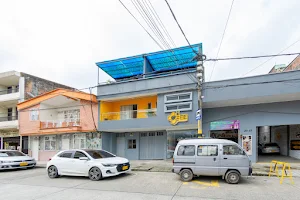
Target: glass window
x=232 y=150
x=207 y=150
x=50 y=143
x=132 y=144
x=187 y=150
x=97 y=154
x=34 y=114
x=10 y=153
x=66 y=154
x=80 y=141
x=79 y=154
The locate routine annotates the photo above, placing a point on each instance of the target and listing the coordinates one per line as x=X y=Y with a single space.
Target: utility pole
x=200 y=78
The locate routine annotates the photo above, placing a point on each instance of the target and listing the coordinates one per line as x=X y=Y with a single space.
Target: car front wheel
x=95 y=174
x=232 y=177
x=52 y=172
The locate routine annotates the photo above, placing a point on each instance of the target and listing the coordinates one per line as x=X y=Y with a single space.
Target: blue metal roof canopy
x=161 y=61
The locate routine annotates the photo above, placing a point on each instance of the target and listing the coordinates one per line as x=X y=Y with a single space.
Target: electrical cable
x=271 y=58
x=221 y=39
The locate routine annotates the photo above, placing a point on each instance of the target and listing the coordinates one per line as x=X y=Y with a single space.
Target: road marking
x=211 y=184
x=185 y=183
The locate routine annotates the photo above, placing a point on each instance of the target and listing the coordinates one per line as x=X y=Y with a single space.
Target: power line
x=141 y=25
x=251 y=57
x=181 y=28
x=271 y=58
x=222 y=38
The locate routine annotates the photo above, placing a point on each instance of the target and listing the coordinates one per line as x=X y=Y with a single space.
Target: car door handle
x=225 y=158
x=215 y=159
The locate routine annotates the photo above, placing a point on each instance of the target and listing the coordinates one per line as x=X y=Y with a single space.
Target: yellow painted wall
x=115 y=107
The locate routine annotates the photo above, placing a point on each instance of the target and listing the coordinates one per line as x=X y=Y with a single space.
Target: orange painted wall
x=27 y=127
x=115 y=106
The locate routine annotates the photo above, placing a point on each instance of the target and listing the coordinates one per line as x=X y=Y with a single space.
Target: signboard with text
x=225 y=125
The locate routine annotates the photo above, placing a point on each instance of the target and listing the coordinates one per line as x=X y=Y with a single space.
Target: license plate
x=23 y=164
x=124 y=167
x=273 y=151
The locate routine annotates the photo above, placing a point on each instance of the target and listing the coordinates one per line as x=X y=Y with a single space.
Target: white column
x=21 y=143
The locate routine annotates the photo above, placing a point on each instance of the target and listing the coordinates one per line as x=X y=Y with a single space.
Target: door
x=35 y=149
x=160 y=144
x=207 y=160
x=121 y=144
x=233 y=157
x=152 y=145
x=132 y=146
x=65 y=163
x=144 y=146
x=80 y=167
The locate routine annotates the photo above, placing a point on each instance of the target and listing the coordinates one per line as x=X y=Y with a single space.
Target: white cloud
x=62 y=40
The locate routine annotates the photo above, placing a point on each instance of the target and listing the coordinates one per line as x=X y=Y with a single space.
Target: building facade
x=16 y=87
x=145 y=115
x=59 y=120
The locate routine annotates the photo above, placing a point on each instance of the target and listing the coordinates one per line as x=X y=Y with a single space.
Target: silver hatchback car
x=12 y=159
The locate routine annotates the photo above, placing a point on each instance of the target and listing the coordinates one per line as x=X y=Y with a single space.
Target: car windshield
x=10 y=153
x=97 y=154
x=271 y=145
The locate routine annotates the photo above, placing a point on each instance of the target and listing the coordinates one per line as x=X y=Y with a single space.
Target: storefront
x=225 y=130
x=44 y=147
x=173 y=137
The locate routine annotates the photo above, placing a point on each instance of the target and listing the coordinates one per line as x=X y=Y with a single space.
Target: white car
x=95 y=164
x=12 y=159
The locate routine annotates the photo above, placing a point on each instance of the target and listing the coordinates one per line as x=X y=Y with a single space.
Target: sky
x=61 y=40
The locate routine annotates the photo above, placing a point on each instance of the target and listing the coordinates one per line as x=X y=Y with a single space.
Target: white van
x=211 y=157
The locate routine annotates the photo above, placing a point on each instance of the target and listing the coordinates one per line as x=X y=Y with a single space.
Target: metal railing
x=132 y=114
x=9 y=91
x=9 y=118
x=60 y=123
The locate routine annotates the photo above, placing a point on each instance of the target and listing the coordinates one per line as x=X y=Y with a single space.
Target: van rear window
x=186 y=150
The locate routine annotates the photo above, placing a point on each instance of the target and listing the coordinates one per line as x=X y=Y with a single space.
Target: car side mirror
x=83 y=158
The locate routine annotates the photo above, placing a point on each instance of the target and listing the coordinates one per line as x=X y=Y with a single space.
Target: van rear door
x=207 y=160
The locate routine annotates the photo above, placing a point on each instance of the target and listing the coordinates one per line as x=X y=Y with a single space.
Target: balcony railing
x=9 y=118
x=132 y=114
x=59 y=123
x=9 y=91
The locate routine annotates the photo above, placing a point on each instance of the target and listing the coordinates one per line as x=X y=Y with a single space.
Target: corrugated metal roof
x=160 y=61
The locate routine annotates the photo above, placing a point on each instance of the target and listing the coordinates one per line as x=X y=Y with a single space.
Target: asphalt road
x=35 y=184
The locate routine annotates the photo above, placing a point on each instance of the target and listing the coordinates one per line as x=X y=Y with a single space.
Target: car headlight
x=109 y=165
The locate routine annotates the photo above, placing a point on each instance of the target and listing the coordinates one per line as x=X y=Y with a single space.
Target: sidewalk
x=259 y=169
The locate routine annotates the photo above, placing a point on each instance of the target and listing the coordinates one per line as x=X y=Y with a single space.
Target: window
x=34 y=114
x=97 y=154
x=186 y=106
x=187 y=150
x=79 y=141
x=179 y=97
x=143 y=134
x=50 y=143
x=159 y=133
x=10 y=153
x=149 y=106
x=132 y=144
x=71 y=115
x=129 y=112
x=232 y=150
x=151 y=134
x=79 y=154
x=66 y=154
x=207 y=150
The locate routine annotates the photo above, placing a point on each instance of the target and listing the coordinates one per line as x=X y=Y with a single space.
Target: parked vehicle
x=269 y=148
x=211 y=157
x=95 y=164
x=12 y=159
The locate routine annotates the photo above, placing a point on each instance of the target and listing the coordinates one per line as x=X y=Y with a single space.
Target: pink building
x=59 y=120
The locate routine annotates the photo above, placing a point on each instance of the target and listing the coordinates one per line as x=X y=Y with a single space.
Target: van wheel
x=186 y=175
x=232 y=177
